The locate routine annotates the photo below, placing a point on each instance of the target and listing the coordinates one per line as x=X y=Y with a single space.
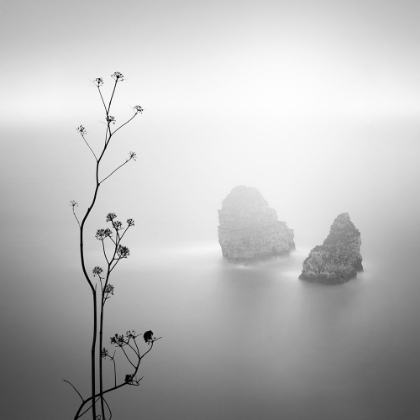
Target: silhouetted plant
x=114 y=252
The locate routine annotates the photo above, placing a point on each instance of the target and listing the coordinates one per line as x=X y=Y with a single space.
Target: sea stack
x=338 y=259
x=249 y=230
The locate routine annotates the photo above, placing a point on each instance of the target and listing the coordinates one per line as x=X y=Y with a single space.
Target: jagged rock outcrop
x=338 y=259
x=249 y=229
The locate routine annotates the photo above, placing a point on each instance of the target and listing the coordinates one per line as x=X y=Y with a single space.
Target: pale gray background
x=316 y=103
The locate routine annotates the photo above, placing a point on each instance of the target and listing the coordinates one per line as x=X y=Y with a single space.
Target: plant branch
x=102 y=98
x=116 y=262
x=112 y=95
x=74 y=204
x=80 y=395
x=88 y=145
x=109 y=408
x=137 y=347
x=121 y=126
x=122 y=384
x=103 y=249
x=129 y=361
x=115 y=170
x=108 y=133
x=84 y=412
x=132 y=348
x=115 y=369
x=128 y=227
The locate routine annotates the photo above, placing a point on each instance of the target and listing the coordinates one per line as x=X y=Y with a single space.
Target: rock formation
x=338 y=259
x=249 y=229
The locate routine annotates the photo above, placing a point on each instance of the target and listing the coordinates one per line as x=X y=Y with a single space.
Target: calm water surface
x=239 y=342
x=247 y=342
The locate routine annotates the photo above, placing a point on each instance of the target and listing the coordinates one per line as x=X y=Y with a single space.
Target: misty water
x=239 y=342
x=247 y=342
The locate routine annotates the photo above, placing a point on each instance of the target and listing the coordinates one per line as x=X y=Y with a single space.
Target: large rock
x=249 y=229
x=338 y=259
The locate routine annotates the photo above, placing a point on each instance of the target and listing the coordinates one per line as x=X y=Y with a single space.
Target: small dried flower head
x=109 y=289
x=73 y=203
x=132 y=155
x=117 y=225
x=118 y=340
x=107 y=233
x=110 y=217
x=104 y=353
x=148 y=336
x=117 y=76
x=110 y=119
x=138 y=109
x=123 y=251
x=130 y=334
x=128 y=379
x=100 y=234
x=97 y=271
x=130 y=222
x=98 y=81
x=81 y=130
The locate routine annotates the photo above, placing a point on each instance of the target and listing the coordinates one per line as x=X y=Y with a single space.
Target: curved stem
x=109 y=408
x=122 y=125
x=103 y=249
x=129 y=361
x=80 y=395
x=84 y=412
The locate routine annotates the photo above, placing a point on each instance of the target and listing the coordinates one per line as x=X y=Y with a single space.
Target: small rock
x=338 y=259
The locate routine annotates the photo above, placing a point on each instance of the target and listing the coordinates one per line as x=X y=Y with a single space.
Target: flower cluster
x=131 y=334
x=117 y=76
x=129 y=379
x=122 y=340
x=130 y=222
x=97 y=271
x=132 y=155
x=117 y=225
x=110 y=217
x=138 y=109
x=118 y=340
x=101 y=234
x=98 y=81
x=73 y=203
x=109 y=289
x=123 y=251
x=81 y=130
x=110 y=119
x=104 y=353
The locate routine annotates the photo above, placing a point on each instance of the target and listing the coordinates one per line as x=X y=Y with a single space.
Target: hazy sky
x=315 y=103
x=295 y=98
x=247 y=60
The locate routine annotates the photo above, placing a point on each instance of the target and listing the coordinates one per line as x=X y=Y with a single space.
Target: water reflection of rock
x=338 y=259
x=249 y=230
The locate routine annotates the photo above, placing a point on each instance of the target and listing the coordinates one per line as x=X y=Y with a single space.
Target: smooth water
x=239 y=342
x=247 y=342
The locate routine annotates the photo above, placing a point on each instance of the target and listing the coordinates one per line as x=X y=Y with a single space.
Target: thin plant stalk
x=96 y=348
